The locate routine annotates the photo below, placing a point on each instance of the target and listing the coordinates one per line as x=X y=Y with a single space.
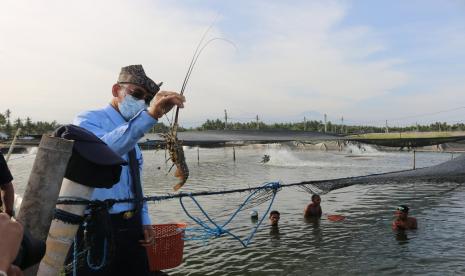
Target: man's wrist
x=154 y=114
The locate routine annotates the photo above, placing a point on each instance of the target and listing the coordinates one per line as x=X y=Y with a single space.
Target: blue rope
x=89 y=263
x=217 y=230
x=75 y=253
x=104 y=258
x=74 y=201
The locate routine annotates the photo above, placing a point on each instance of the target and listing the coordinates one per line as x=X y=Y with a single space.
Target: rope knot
x=273 y=185
x=218 y=232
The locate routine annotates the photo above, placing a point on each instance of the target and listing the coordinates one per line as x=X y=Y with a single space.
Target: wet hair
x=314 y=196
x=274 y=212
x=403 y=208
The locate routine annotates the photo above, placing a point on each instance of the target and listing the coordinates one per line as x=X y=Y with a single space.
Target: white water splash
x=32 y=150
x=286 y=158
x=362 y=149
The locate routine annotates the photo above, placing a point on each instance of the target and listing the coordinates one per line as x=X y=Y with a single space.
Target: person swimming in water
x=274 y=218
x=313 y=210
x=403 y=221
x=266 y=158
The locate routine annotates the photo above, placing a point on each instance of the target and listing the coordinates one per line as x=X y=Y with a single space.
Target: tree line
x=8 y=125
x=319 y=126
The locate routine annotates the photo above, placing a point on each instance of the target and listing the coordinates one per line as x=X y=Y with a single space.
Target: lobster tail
x=178 y=186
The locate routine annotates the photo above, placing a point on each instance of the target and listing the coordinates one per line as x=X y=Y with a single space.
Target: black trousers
x=126 y=255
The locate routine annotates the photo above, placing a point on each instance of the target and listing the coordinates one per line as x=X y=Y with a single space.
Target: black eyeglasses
x=140 y=94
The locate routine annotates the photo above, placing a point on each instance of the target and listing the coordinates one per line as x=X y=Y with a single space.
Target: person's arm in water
x=398 y=225
x=8 y=198
x=308 y=210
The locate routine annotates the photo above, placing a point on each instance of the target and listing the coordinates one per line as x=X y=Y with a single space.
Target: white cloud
x=61 y=57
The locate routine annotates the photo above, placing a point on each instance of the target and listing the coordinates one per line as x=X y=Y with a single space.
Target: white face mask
x=130 y=106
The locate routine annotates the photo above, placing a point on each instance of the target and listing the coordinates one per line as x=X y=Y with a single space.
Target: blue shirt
x=121 y=137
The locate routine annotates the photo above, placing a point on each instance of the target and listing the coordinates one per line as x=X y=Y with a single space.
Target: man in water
x=274 y=218
x=135 y=107
x=403 y=221
x=6 y=186
x=265 y=159
x=313 y=210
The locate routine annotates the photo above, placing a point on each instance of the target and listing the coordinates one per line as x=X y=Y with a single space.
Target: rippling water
x=361 y=244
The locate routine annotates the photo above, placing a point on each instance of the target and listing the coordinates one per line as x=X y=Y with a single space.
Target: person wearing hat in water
x=135 y=107
x=403 y=221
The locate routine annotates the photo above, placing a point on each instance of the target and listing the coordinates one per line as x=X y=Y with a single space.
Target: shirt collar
x=114 y=115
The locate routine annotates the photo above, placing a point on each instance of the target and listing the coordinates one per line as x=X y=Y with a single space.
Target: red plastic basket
x=168 y=248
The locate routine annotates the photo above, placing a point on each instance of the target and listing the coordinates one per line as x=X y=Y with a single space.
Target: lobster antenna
x=168 y=119
x=191 y=64
x=194 y=61
x=204 y=46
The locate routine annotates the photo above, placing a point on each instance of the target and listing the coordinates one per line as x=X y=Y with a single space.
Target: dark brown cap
x=135 y=74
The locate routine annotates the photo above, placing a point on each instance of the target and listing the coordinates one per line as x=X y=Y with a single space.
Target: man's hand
x=398 y=225
x=163 y=102
x=149 y=236
x=11 y=233
x=8 y=196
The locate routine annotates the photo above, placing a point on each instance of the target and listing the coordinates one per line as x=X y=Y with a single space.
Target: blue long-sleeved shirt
x=121 y=137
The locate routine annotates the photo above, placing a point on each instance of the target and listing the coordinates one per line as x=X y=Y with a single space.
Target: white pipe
x=61 y=234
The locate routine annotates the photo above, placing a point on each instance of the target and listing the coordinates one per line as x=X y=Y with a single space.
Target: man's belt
x=125 y=215
x=128 y=214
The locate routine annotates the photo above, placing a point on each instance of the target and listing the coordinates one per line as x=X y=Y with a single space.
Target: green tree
x=213 y=125
x=2 y=120
x=18 y=123
x=28 y=126
x=159 y=128
x=8 y=127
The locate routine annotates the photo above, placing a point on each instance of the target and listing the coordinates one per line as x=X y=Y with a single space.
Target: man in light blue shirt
x=134 y=109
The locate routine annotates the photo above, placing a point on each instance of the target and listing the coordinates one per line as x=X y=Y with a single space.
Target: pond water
x=362 y=244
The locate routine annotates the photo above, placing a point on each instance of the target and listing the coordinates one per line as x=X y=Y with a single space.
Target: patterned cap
x=135 y=74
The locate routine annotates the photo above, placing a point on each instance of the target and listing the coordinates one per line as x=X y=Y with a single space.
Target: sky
x=367 y=62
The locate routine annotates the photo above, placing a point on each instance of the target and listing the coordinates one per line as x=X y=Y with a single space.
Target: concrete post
x=326 y=123
x=414 y=159
x=44 y=185
x=225 y=119
x=36 y=211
